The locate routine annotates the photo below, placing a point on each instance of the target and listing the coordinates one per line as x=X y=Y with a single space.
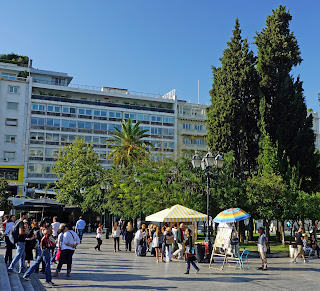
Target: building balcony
x=193 y=147
x=192 y=132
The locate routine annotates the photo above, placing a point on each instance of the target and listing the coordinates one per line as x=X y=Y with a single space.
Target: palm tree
x=128 y=144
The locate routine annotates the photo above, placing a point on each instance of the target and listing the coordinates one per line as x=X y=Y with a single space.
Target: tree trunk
x=280 y=228
x=250 y=227
x=278 y=236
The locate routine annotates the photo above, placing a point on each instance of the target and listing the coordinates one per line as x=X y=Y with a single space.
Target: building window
x=12 y=105
x=13 y=89
x=87 y=138
x=129 y=115
x=69 y=123
x=112 y=127
x=38 y=107
x=48 y=169
x=53 y=122
x=186 y=125
x=198 y=141
x=100 y=126
x=51 y=153
x=96 y=139
x=11 y=122
x=145 y=128
x=156 y=131
x=8 y=76
x=35 y=168
x=186 y=140
x=52 y=137
x=51 y=108
x=36 y=136
x=198 y=127
x=100 y=113
x=156 y=118
x=11 y=138
x=114 y=114
x=37 y=121
x=168 y=119
x=36 y=152
x=86 y=125
x=168 y=131
x=58 y=82
x=83 y=111
x=9 y=155
x=70 y=110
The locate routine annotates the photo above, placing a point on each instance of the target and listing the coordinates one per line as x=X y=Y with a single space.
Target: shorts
x=300 y=249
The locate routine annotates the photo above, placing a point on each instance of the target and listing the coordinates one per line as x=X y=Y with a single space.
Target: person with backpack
x=17 y=236
x=46 y=245
x=70 y=241
x=9 y=245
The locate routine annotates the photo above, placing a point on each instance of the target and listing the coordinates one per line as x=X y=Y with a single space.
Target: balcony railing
x=169 y=95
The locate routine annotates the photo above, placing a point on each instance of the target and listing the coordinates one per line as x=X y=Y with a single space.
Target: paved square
x=93 y=270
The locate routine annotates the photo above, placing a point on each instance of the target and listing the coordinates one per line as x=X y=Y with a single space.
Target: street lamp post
x=137 y=180
x=207 y=163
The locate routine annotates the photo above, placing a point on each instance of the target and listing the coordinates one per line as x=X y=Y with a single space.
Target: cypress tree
x=286 y=113
x=233 y=113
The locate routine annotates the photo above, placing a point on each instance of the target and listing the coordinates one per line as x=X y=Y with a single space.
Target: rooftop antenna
x=198 y=92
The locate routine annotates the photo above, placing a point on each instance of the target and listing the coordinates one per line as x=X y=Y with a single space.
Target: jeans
x=193 y=264
x=20 y=256
x=80 y=233
x=128 y=245
x=116 y=239
x=46 y=256
x=9 y=248
x=65 y=257
x=163 y=249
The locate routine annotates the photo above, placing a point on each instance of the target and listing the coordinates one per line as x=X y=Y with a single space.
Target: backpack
x=14 y=232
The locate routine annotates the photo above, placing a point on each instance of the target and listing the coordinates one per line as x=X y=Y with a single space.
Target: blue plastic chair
x=242 y=259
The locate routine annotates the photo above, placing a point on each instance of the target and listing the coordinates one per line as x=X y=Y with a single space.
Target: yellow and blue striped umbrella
x=231 y=215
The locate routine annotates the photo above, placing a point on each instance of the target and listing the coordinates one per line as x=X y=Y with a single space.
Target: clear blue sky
x=149 y=46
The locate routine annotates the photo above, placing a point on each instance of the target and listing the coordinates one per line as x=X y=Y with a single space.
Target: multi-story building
x=42 y=112
x=191 y=127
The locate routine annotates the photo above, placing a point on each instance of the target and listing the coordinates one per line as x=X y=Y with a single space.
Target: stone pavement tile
x=107 y=270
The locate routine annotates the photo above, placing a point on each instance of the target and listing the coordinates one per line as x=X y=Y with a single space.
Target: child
x=305 y=245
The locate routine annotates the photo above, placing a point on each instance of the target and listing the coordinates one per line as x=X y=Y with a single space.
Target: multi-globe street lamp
x=208 y=163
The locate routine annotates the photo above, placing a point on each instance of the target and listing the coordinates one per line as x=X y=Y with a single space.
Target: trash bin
x=200 y=251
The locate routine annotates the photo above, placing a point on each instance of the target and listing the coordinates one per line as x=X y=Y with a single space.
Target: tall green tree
x=5 y=204
x=128 y=145
x=285 y=114
x=79 y=176
x=234 y=111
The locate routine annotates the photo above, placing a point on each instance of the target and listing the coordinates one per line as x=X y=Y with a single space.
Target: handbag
x=170 y=241
x=190 y=252
x=155 y=242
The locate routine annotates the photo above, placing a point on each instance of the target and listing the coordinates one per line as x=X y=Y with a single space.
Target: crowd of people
x=51 y=241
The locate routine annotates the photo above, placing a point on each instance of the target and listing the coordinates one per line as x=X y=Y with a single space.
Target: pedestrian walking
x=140 y=234
x=157 y=243
x=178 y=254
x=262 y=248
x=116 y=236
x=174 y=231
x=9 y=245
x=129 y=236
x=100 y=232
x=169 y=241
x=70 y=241
x=46 y=245
x=314 y=243
x=59 y=240
x=80 y=226
x=55 y=227
x=299 y=245
x=190 y=254
x=31 y=242
x=19 y=233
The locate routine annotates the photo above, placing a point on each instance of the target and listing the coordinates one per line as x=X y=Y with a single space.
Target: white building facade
x=43 y=112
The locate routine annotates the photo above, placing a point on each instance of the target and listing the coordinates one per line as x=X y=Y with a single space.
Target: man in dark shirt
x=20 y=253
x=299 y=245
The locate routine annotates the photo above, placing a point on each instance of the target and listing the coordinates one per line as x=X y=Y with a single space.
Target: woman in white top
x=100 y=232
x=9 y=245
x=116 y=236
